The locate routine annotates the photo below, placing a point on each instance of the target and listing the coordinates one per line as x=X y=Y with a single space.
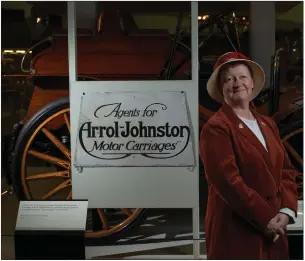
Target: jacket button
x=269 y=197
x=278 y=194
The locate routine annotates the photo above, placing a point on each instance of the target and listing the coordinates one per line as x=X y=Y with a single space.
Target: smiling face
x=236 y=83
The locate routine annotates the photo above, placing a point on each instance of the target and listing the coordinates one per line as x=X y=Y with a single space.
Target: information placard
x=134 y=129
x=52 y=215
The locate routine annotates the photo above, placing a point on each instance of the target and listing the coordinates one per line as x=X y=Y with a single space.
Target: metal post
x=262 y=33
x=195 y=36
x=195 y=78
x=196 y=233
x=72 y=41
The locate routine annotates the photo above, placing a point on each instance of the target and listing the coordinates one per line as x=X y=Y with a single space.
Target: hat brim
x=258 y=79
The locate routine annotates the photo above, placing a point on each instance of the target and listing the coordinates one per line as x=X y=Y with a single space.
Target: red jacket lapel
x=242 y=128
x=269 y=135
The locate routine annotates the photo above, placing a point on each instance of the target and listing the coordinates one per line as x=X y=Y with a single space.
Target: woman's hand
x=276 y=226
x=282 y=220
x=274 y=229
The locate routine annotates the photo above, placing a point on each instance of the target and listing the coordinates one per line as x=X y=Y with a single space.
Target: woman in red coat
x=252 y=190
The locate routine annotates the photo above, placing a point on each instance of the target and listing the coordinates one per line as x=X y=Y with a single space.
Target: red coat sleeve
x=222 y=173
x=289 y=194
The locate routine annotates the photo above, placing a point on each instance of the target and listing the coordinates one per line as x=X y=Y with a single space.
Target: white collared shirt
x=253 y=125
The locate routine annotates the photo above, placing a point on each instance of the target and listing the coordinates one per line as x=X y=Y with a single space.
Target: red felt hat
x=258 y=74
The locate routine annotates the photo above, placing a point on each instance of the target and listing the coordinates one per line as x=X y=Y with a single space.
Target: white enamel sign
x=134 y=129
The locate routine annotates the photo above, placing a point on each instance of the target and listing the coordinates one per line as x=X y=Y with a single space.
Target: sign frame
x=148 y=187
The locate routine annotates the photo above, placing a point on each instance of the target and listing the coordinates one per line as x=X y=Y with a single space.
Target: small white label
x=52 y=215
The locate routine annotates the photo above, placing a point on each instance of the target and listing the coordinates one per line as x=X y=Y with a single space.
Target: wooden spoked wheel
x=292 y=138
x=43 y=159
